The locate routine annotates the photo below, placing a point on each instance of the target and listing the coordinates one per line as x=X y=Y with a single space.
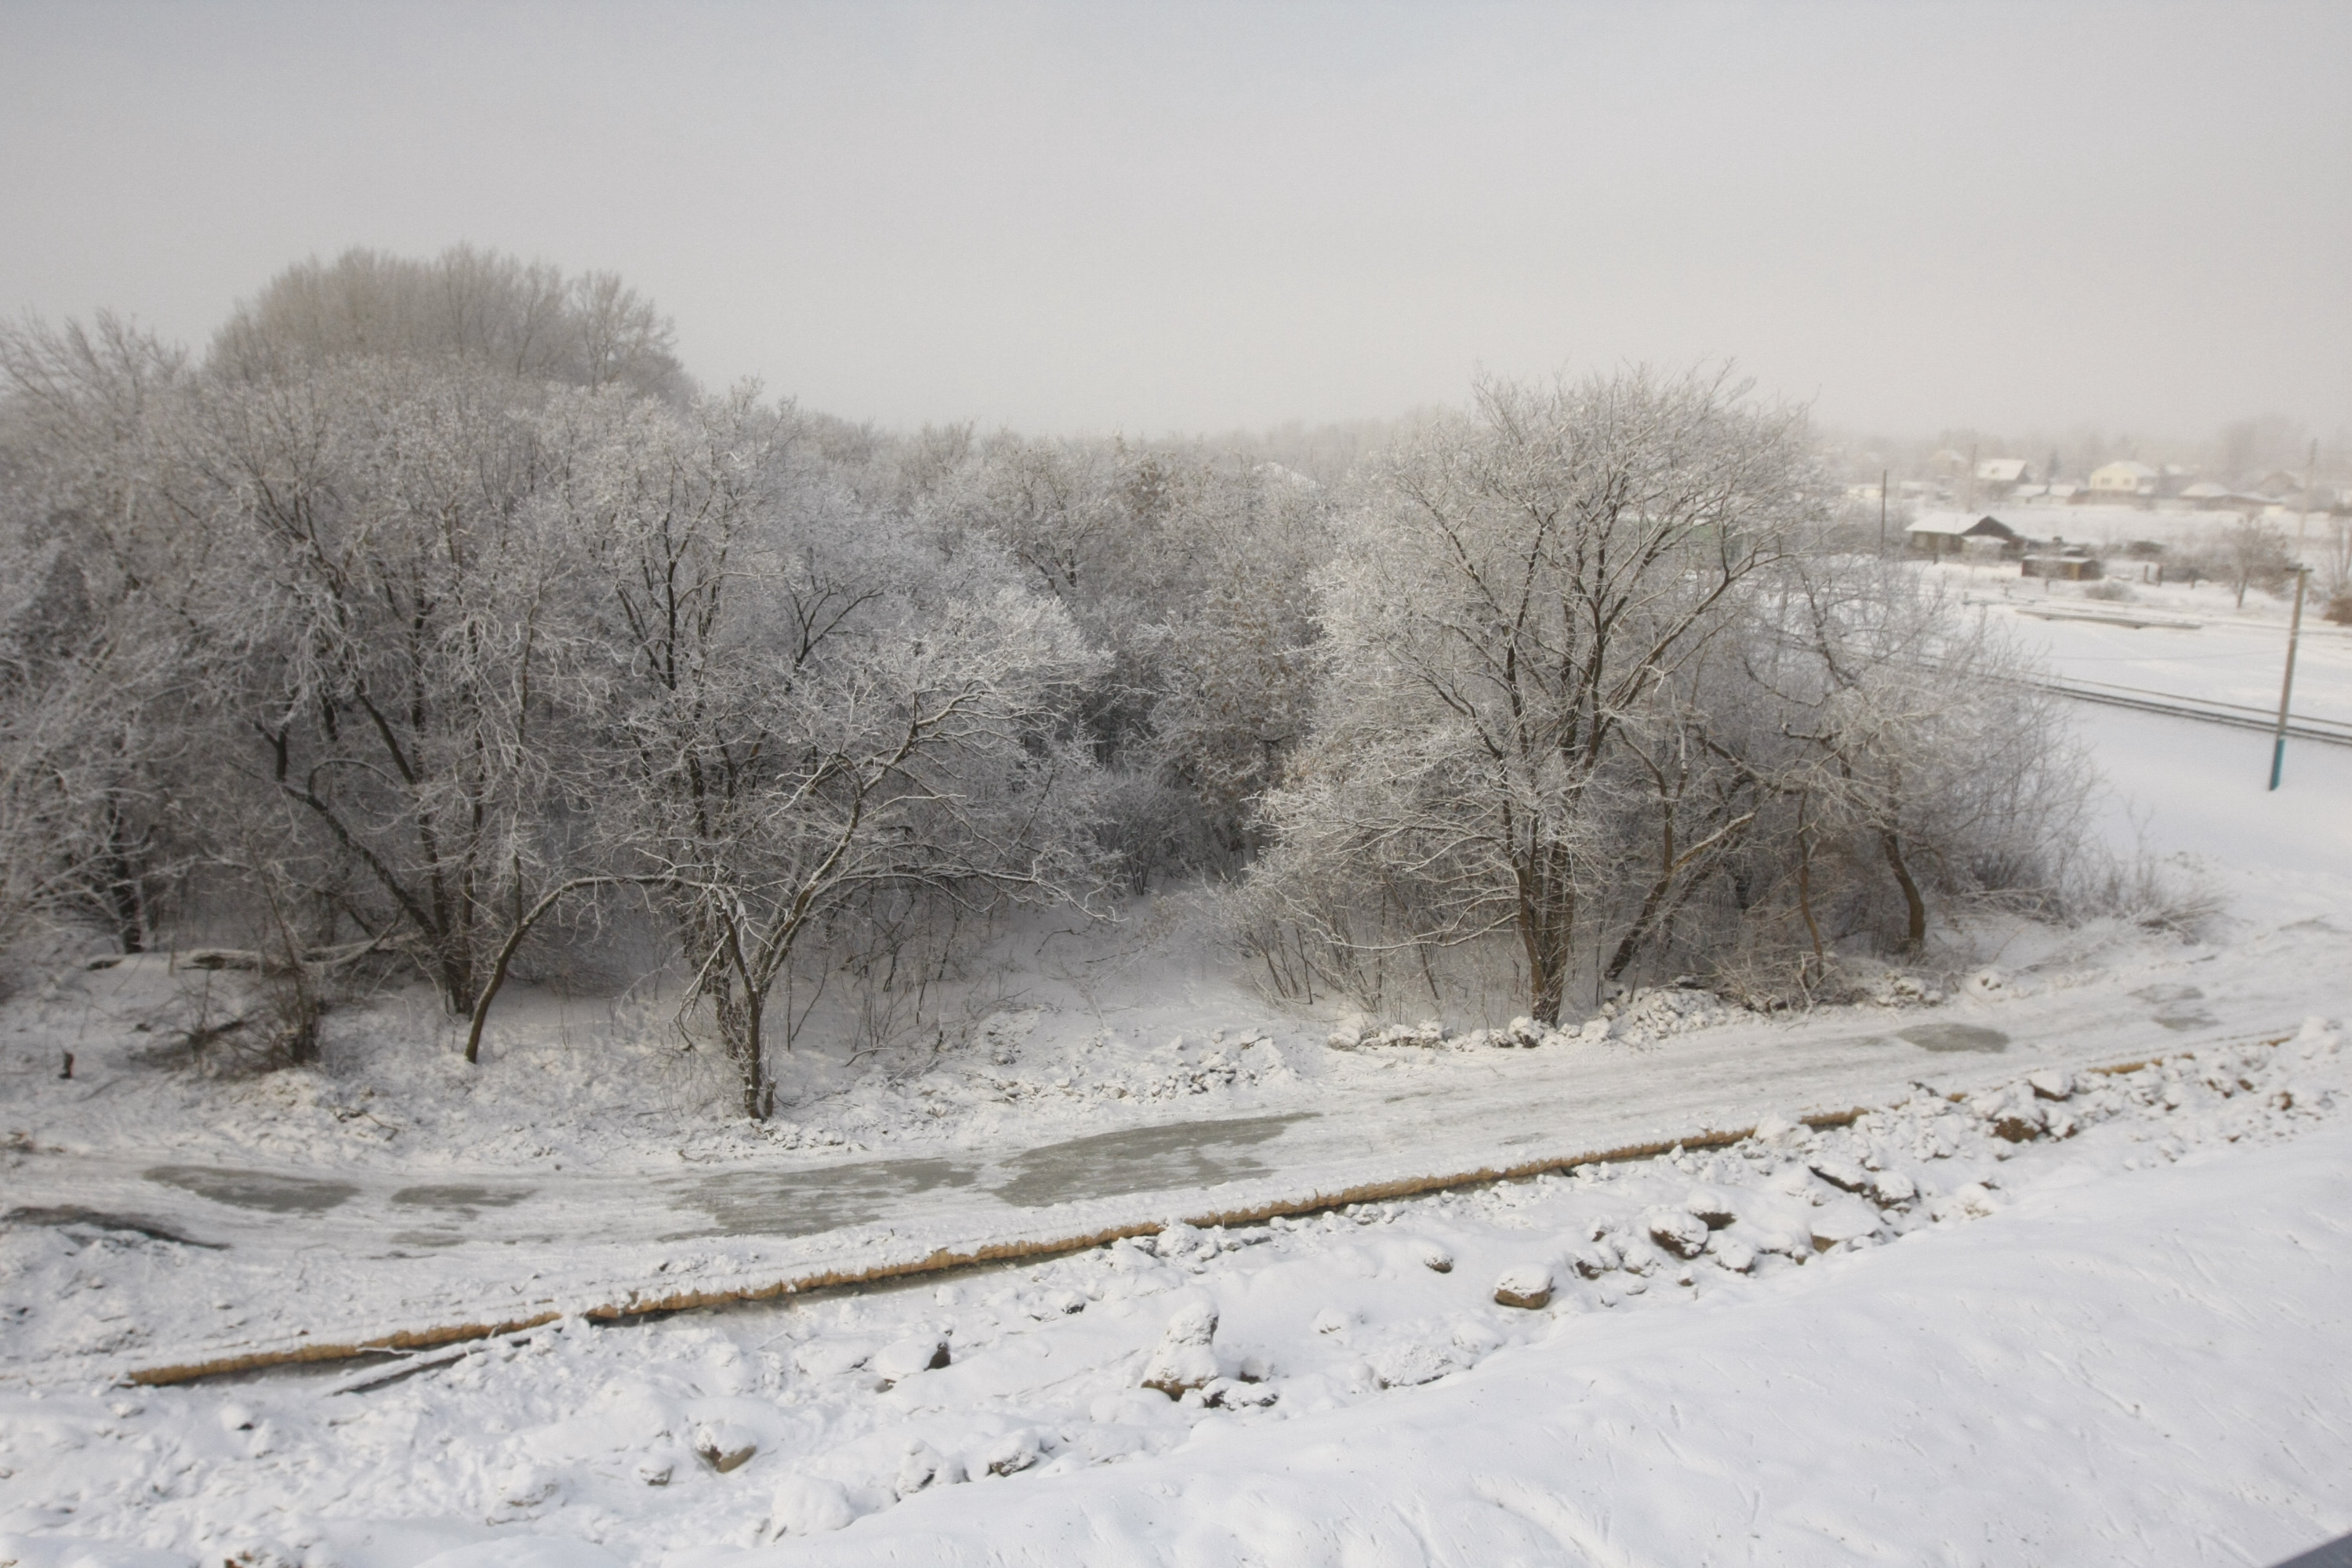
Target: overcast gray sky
x=1200 y=216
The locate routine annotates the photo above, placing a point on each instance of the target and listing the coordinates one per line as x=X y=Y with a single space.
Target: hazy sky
x=1198 y=216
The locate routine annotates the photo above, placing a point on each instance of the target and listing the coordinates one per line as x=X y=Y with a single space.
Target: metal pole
x=2303 y=518
x=2286 y=687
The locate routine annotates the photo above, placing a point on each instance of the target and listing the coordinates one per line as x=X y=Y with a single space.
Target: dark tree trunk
x=1916 y=927
x=1547 y=922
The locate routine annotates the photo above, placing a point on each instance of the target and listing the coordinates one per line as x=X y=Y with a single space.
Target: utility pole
x=2286 y=687
x=1882 y=474
x=2303 y=518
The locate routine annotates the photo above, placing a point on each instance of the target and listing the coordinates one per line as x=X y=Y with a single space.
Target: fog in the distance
x=1206 y=217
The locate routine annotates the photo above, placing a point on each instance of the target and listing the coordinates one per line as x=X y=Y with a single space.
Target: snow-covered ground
x=2203 y=789
x=2080 y=1318
x=2197 y=643
x=2100 y=1318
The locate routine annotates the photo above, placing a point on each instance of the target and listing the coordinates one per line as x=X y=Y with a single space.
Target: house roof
x=2006 y=469
x=2124 y=469
x=1963 y=525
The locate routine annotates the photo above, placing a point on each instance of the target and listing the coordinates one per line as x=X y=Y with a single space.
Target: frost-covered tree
x=95 y=631
x=394 y=640
x=1918 y=745
x=1229 y=659
x=1509 y=610
x=2254 y=554
x=526 y=321
x=815 y=707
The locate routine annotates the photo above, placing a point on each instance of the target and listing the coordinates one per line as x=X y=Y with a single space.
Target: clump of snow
x=1640 y=1016
x=902 y=1359
x=809 y=1505
x=1185 y=1358
x=921 y=1467
x=1656 y=1013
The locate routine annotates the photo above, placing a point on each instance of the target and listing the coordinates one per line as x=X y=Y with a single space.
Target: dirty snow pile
x=2075 y=1318
x=1638 y=1016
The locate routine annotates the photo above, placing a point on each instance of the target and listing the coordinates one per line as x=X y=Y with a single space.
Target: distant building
x=1942 y=533
x=2122 y=481
x=1998 y=477
x=2069 y=563
x=2206 y=496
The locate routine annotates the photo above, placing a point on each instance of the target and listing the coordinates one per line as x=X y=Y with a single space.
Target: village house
x=2206 y=496
x=2067 y=563
x=2121 y=481
x=1981 y=535
x=1999 y=475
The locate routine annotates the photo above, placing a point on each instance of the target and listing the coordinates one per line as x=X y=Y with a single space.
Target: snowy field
x=2200 y=645
x=2019 y=1312
x=2203 y=789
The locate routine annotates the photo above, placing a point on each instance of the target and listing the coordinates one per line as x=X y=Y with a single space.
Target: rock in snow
x=1529 y=1286
x=1680 y=1233
x=2052 y=1083
x=2022 y=1125
x=1010 y=1454
x=1844 y=1220
x=1841 y=1174
x=1711 y=1204
x=724 y=1445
